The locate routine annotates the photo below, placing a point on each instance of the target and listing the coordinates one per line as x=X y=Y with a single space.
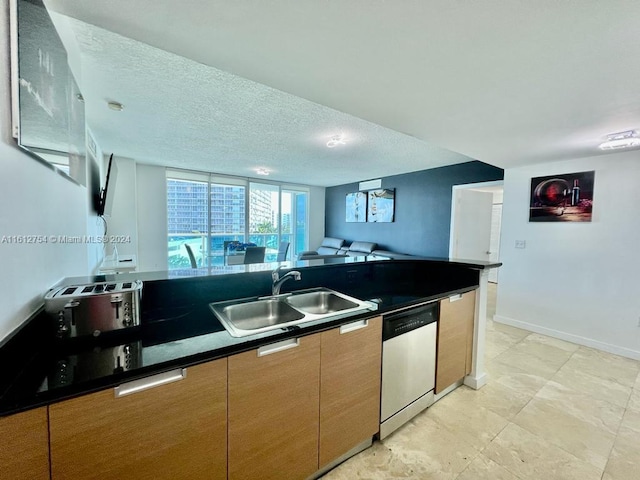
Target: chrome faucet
x=278 y=281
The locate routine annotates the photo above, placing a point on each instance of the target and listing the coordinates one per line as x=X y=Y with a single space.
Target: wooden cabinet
x=349 y=387
x=170 y=431
x=281 y=411
x=455 y=339
x=273 y=410
x=24 y=446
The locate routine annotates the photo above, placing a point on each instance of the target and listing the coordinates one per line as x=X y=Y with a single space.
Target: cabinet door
x=273 y=411
x=24 y=446
x=175 y=430
x=456 y=319
x=349 y=387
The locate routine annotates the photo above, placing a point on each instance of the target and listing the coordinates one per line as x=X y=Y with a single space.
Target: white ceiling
x=508 y=82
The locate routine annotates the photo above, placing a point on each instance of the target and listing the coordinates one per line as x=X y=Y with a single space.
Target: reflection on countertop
x=178 y=329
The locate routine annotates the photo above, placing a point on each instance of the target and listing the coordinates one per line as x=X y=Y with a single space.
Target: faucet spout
x=278 y=281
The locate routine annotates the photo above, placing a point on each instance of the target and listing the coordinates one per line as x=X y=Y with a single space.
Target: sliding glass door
x=294 y=221
x=263 y=214
x=187 y=220
x=264 y=208
x=228 y=216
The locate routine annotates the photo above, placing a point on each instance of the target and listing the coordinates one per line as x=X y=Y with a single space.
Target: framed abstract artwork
x=356 y=207
x=381 y=205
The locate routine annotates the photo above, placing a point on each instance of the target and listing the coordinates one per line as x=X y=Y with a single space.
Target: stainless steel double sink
x=248 y=316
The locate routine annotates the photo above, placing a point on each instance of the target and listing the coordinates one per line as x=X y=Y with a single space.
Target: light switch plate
x=521 y=243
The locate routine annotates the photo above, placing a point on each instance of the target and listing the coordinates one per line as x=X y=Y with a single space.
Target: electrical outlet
x=521 y=243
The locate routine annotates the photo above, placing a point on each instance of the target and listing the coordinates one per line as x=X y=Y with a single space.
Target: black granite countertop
x=178 y=329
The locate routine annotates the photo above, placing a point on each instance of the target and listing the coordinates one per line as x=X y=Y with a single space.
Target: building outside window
x=270 y=213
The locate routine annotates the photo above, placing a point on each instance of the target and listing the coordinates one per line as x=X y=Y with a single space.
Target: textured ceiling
x=188 y=115
x=508 y=82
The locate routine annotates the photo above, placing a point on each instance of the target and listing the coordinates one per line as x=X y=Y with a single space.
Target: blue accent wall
x=422 y=209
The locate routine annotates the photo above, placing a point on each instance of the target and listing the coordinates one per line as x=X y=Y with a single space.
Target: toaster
x=91 y=309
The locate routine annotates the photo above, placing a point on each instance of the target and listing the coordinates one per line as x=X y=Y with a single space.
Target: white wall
x=121 y=220
x=576 y=281
x=316 y=216
x=151 y=184
x=34 y=200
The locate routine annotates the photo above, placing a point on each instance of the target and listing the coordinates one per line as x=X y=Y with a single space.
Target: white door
x=471 y=232
x=494 y=246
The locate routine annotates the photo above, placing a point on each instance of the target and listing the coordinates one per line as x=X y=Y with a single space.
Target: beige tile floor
x=551 y=410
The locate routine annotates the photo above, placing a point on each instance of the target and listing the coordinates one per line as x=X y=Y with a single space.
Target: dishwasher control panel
x=410 y=319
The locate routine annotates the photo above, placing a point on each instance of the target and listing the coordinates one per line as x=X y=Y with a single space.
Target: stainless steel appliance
x=90 y=309
x=408 y=364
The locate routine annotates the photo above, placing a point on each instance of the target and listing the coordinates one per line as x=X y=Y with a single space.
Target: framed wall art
x=356 y=207
x=381 y=205
x=562 y=198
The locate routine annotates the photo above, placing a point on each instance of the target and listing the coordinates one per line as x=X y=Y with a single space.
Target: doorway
x=476 y=218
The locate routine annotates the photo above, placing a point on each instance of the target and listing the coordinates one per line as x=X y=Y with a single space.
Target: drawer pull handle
x=350 y=327
x=153 y=381
x=455 y=298
x=278 y=347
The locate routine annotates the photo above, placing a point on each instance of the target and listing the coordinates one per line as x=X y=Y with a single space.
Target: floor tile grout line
x=587 y=394
x=467 y=466
x=615 y=440
x=497 y=463
x=544 y=440
x=562 y=448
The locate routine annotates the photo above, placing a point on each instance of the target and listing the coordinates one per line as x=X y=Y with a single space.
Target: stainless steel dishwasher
x=408 y=364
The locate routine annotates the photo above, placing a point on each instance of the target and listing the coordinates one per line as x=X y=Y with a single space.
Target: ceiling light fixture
x=262 y=171
x=335 y=141
x=117 y=106
x=626 y=139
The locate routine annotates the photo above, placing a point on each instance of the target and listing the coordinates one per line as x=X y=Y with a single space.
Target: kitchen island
x=179 y=331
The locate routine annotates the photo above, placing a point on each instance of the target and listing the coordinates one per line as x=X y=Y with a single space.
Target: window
x=187 y=219
x=228 y=214
x=267 y=215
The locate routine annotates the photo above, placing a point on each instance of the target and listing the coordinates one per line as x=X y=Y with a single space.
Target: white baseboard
x=587 y=342
x=476 y=382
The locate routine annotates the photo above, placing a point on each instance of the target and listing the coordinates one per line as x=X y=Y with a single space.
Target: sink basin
x=249 y=316
x=320 y=303
x=260 y=314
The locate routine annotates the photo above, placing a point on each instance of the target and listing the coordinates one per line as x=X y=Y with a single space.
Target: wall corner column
x=478 y=377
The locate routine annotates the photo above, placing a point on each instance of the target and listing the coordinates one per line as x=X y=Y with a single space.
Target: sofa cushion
x=359 y=248
x=331 y=242
x=327 y=251
x=330 y=246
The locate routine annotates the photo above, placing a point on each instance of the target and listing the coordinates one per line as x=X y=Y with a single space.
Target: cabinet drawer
x=454 y=330
x=273 y=411
x=24 y=450
x=349 y=387
x=175 y=430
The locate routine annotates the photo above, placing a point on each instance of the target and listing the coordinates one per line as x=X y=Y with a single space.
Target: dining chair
x=192 y=258
x=254 y=255
x=283 y=249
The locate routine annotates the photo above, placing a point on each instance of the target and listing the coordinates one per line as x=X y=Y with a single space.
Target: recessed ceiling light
x=117 y=106
x=335 y=141
x=262 y=171
x=616 y=141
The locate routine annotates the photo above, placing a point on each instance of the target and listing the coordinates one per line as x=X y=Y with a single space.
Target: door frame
x=454 y=204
